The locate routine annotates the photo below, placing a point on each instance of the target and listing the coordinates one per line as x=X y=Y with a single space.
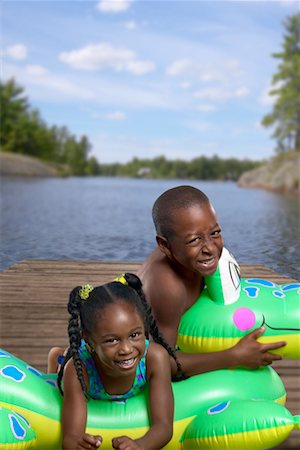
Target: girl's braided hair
x=85 y=307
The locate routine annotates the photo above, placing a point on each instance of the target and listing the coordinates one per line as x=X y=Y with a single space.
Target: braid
x=134 y=282
x=61 y=370
x=74 y=331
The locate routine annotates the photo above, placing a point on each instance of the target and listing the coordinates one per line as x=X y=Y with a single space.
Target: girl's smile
x=126 y=363
x=118 y=352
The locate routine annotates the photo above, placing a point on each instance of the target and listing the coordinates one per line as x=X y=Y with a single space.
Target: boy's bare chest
x=192 y=294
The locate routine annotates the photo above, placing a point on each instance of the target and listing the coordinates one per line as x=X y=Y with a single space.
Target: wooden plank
x=33 y=315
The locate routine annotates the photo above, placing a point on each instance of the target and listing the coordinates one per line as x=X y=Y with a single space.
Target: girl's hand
x=88 y=441
x=125 y=443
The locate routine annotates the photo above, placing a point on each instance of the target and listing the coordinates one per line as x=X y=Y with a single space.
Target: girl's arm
x=161 y=397
x=161 y=404
x=74 y=414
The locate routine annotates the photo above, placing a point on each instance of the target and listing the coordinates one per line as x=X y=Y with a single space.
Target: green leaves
x=24 y=131
x=285 y=116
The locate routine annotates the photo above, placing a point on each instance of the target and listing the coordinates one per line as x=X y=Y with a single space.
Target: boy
x=189 y=245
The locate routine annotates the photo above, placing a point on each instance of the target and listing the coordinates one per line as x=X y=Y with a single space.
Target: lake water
x=110 y=219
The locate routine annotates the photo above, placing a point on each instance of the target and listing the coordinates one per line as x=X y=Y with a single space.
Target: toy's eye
x=278 y=294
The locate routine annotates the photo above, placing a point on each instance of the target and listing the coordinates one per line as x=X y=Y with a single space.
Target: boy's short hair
x=169 y=202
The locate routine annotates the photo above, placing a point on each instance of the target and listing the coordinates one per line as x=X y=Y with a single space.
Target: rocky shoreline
x=13 y=164
x=280 y=174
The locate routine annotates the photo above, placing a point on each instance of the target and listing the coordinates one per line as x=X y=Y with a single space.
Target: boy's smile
x=208 y=264
x=196 y=242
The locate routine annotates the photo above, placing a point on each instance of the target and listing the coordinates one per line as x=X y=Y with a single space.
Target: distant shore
x=280 y=174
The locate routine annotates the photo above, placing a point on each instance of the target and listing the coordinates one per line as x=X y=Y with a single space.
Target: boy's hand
x=124 y=443
x=251 y=354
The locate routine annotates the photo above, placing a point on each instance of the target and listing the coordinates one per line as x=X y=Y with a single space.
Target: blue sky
x=146 y=78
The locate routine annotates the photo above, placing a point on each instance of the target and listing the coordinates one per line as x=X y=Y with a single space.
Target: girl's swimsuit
x=96 y=388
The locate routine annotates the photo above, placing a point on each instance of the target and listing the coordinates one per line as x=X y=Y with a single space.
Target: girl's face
x=197 y=242
x=119 y=339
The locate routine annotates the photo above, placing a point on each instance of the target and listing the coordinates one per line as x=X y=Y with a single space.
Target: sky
x=145 y=78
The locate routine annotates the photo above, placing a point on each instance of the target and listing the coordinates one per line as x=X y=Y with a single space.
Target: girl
x=110 y=358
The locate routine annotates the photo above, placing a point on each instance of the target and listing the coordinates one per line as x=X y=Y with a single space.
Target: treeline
x=24 y=131
x=202 y=168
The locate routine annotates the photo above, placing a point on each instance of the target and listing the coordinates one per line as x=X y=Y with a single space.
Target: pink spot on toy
x=244 y=318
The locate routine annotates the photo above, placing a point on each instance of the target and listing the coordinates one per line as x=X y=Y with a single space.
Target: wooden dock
x=33 y=316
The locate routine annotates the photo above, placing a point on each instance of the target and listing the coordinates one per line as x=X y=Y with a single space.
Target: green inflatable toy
x=223 y=396
x=234 y=409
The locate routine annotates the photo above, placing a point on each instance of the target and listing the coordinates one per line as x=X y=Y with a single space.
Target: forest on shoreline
x=24 y=132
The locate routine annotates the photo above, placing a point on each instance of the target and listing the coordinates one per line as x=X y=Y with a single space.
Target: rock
x=22 y=165
x=280 y=174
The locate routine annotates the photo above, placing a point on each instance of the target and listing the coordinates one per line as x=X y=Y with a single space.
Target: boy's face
x=196 y=242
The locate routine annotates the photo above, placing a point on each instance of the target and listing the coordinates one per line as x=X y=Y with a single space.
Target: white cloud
x=108 y=93
x=258 y=125
x=117 y=115
x=140 y=67
x=266 y=98
x=215 y=94
x=64 y=87
x=122 y=148
x=179 y=67
x=220 y=94
x=17 y=51
x=288 y=2
x=36 y=70
x=131 y=25
x=114 y=116
x=113 y=6
x=207 y=73
x=185 y=84
x=105 y=56
x=47 y=85
x=241 y=92
x=205 y=108
x=199 y=125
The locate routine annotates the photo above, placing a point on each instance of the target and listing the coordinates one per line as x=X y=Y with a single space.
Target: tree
x=13 y=112
x=24 y=131
x=286 y=111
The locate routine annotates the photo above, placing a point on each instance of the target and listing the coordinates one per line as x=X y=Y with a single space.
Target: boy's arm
x=247 y=352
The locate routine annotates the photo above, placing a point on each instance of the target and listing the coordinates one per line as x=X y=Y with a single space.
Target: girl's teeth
x=128 y=362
